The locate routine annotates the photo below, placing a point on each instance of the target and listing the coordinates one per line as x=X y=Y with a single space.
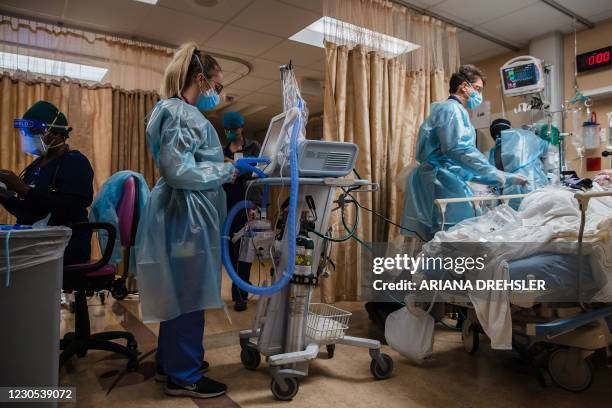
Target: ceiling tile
x=185 y=27
x=106 y=15
x=236 y=39
x=300 y=54
x=470 y=44
x=49 y=8
x=275 y=18
x=266 y=69
x=223 y=11
x=227 y=53
x=474 y=12
x=234 y=66
x=251 y=83
x=260 y=98
x=492 y=52
x=426 y=4
x=597 y=10
x=527 y=23
x=275 y=88
x=312 y=5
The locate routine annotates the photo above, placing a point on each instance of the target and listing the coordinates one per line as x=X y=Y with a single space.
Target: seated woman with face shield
x=58 y=184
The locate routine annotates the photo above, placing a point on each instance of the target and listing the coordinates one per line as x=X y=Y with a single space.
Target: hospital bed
x=558 y=338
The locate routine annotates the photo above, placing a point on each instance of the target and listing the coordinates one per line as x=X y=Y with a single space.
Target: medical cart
x=288 y=328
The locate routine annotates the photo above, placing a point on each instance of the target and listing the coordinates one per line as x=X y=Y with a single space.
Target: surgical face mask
x=231 y=135
x=474 y=100
x=209 y=99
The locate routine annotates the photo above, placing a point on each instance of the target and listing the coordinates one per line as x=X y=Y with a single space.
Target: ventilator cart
x=289 y=329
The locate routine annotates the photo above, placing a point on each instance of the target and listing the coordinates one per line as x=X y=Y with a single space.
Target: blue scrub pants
x=180 y=349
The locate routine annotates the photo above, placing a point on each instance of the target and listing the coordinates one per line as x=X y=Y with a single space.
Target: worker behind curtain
x=178 y=248
x=239 y=144
x=448 y=159
x=57 y=184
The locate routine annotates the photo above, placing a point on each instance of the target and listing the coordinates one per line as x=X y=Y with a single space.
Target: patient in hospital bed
x=519 y=243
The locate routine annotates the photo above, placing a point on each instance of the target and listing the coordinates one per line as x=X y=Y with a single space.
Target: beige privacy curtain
x=129 y=147
x=377 y=100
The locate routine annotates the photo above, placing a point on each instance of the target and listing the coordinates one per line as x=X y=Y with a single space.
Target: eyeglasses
x=216 y=85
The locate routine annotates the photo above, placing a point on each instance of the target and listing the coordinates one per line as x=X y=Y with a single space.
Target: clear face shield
x=32 y=133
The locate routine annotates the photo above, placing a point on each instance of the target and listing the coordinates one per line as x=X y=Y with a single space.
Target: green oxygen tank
x=304 y=253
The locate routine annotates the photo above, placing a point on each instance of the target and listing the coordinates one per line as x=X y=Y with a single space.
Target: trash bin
x=30 y=305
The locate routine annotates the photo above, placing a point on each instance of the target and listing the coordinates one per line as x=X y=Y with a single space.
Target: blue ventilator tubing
x=244 y=166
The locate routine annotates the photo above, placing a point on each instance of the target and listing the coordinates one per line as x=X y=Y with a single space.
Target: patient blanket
x=548 y=215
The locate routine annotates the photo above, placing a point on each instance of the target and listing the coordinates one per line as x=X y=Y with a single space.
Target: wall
x=587 y=40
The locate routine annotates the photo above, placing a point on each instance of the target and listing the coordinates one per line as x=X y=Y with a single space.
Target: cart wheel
x=331 y=348
x=570 y=372
x=119 y=291
x=470 y=337
x=379 y=372
x=290 y=386
x=250 y=358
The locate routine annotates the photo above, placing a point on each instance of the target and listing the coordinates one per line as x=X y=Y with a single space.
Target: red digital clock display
x=594 y=59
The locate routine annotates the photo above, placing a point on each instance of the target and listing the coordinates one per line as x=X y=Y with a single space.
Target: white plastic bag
x=410 y=332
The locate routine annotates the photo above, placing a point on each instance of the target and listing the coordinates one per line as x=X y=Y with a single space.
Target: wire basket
x=326 y=323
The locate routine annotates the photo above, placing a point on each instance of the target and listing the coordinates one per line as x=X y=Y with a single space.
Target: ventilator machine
x=288 y=328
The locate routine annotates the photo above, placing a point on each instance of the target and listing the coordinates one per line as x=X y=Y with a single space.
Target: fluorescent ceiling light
x=340 y=32
x=51 y=67
x=148 y=1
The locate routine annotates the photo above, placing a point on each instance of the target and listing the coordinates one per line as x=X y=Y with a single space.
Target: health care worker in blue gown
x=179 y=235
x=448 y=159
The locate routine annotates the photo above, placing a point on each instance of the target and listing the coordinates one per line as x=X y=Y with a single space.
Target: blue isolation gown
x=448 y=160
x=521 y=153
x=178 y=250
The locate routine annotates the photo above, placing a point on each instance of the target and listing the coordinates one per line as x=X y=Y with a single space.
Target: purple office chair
x=85 y=279
x=128 y=213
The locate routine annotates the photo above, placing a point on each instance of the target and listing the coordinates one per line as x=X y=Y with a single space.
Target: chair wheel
x=331 y=348
x=132 y=365
x=378 y=371
x=250 y=358
x=119 y=291
x=132 y=345
x=285 y=388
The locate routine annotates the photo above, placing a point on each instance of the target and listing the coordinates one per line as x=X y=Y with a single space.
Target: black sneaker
x=240 y=306
x=161 y=376
x=205 y=388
